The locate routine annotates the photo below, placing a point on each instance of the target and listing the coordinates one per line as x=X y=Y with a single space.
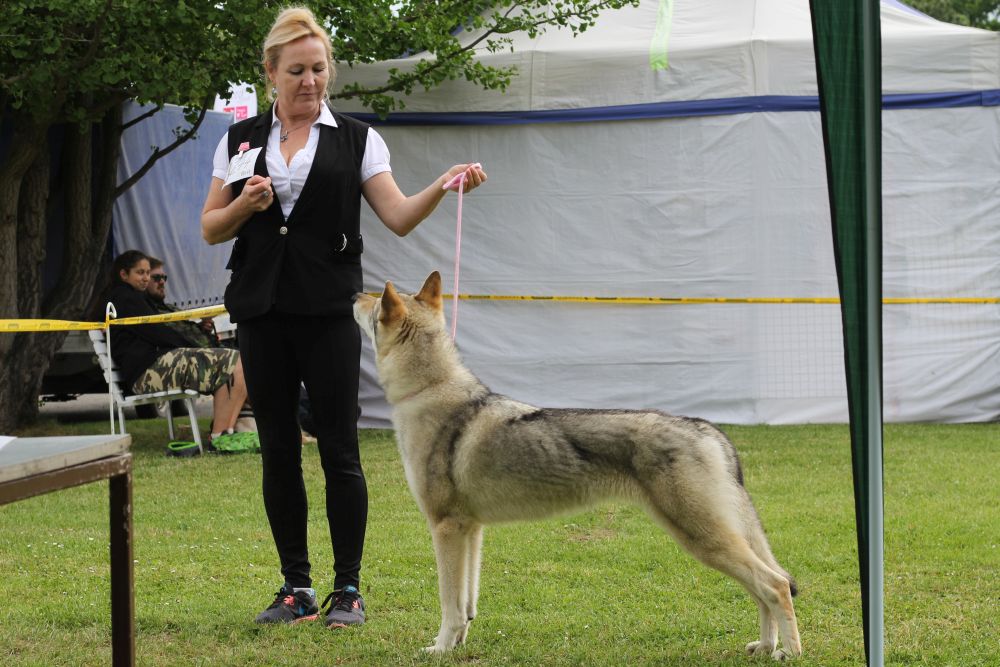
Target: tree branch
x=138 y=119
x=160 y=152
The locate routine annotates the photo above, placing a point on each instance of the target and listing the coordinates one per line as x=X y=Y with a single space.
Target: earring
x=274 y=90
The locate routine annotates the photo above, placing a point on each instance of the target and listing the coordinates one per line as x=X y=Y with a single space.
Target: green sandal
x=182 y=449
x=237 y=443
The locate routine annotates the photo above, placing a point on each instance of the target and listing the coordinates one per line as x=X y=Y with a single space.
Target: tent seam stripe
x=679 y=109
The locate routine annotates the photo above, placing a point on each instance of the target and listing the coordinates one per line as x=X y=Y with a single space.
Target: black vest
x=309 y=264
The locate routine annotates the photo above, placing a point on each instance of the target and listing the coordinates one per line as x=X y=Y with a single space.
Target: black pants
x=280 y=351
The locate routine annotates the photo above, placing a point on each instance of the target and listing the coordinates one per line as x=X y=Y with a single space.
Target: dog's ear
x=392 y=306
x=430 y=293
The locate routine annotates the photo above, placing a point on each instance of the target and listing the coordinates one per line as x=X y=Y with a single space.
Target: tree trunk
x=90 y=196
x=31 y=229
x=32 y=352
x=23 y=150
x=21 y=376
x=88 y=187
x=20 y=156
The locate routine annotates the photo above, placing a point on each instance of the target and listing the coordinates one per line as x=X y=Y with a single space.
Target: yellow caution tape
x=23 y=326
x=19 y=326
x=195 y=314
x=658 y=300
x=637 y=300
x=971 y=299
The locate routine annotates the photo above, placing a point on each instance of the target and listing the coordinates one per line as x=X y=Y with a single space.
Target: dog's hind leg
x=716 y=543
x=768 y=631
x=770 y=619
x=451 y=537
x=474 y=546
x=769 y=588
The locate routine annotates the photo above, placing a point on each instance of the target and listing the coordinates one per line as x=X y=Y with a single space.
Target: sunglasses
x=159 y=278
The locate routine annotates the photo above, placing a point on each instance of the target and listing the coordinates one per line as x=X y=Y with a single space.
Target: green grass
x=594 y=588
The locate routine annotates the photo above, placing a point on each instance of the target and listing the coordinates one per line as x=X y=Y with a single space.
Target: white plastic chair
x=116 y=394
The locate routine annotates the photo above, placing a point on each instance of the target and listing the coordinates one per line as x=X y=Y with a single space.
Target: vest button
x=283 y=230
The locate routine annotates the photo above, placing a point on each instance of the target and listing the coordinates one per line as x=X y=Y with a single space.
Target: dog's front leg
x=474 y=549
x=451 y=550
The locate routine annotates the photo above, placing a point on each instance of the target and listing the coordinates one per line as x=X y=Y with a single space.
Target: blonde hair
x=295 y=23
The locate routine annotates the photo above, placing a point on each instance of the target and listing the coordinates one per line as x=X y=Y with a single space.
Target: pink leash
x=457 y=184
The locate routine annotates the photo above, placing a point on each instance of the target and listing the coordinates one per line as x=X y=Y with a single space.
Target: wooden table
x=33 y=466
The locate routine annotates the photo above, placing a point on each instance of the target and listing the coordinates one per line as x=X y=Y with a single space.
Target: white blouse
x=287 y=180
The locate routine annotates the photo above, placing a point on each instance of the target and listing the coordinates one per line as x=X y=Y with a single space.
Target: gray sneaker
x=290 y=607
x=347 y=608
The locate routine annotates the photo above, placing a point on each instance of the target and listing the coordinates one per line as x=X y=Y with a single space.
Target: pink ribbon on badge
x=245 y=146
x=456 y=184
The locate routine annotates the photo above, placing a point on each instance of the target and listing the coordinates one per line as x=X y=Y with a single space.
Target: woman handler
x=296 y=219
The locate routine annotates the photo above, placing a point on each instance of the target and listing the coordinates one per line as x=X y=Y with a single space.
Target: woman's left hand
x=474 y=175
x=400 y=213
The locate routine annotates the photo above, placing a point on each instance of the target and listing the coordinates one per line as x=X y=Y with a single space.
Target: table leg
x=122 y=578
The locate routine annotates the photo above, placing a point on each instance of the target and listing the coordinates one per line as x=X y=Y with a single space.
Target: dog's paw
x=435 y=650
x=781 y=655
x=759 y=648
x=450 y=641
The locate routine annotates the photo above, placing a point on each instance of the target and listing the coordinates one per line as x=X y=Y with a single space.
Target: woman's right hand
x=222 y=216
x=256 y=195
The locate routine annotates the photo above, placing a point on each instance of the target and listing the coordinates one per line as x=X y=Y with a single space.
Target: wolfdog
x=473 y=457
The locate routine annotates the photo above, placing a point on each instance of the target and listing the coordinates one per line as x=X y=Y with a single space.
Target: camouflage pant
x=203 y=369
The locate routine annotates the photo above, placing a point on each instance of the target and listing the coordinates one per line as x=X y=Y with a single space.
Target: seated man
x=201 y=334
x=197 y=334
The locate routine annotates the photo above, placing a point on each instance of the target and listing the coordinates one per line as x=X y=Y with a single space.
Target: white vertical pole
x=871 y=33
x=109 y=314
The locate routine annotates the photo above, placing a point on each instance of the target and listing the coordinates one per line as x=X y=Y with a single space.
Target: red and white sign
x=243 y=103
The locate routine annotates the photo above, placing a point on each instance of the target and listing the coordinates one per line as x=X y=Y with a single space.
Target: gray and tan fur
x=473 y=457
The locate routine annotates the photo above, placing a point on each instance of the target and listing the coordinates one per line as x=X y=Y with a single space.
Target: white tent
x=705 y=181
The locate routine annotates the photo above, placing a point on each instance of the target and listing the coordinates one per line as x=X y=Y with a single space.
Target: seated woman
x=152 y=357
